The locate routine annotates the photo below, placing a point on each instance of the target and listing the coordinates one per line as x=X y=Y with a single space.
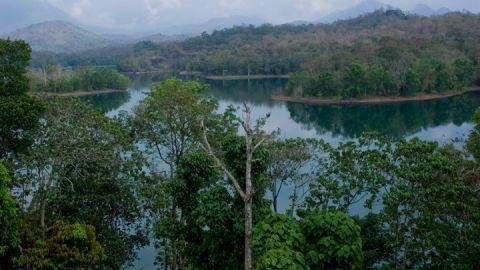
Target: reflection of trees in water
x=396 y=120
x=146 y=80
x=109 y=101
x=258 y=91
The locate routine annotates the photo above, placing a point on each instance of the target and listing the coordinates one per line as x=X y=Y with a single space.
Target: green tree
x=278 y=243
x=14 y=58
x=204 y=200
x=287 y=161
x=168 y=123
x=431 y=214
x=351 y=173
x=82 y=167
x=381 y=82
x=473 y=142
x=168 y=120
x=464 y=70
x=67 y=246
x=9 y=221
x=445 y=80
x=354 y=81
x=244 y=183
x=327 y=85
x=412 y=82
x=376 y=245
x=333 y=240
x=19 y=113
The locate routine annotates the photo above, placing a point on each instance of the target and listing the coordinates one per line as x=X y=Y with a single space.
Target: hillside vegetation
x=381 y=53
x=59 y=80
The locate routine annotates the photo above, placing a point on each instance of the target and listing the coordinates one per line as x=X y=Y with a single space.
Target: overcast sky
x=134 y=13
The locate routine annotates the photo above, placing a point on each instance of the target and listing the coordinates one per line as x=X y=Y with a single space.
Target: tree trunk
x=294 y=202
x=165 y=257
x=274 y=196
x=248 y=203
x=174 y=257
x=43 y=202
x=249 y=192
x=248 y=234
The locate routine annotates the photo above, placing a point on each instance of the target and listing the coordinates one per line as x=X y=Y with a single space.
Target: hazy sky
x=134 y=13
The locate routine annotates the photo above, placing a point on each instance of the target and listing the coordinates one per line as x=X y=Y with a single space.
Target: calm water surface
x=444 y=120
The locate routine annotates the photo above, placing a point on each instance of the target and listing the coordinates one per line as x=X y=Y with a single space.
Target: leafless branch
x=219 y=164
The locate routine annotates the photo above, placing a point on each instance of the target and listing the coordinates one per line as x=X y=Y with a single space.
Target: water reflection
x=442 y=117
x=257 y=92
x=109 y=101
x=396 y=120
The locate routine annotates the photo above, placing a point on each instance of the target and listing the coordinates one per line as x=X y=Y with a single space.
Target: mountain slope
x=59 y=37
x=355 y=11
x=15 y=14
x=425 y=10
x=211 y=25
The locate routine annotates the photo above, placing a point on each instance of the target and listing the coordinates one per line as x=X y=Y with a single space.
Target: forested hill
x=385 y=40
x=58 y=36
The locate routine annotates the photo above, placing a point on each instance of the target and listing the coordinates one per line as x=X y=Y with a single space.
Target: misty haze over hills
x=371 y=5
x=21 y=13
x=18 y=14
x=59 y=36
x=47 y=28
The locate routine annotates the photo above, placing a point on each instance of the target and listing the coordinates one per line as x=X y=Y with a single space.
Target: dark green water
x=443 y=120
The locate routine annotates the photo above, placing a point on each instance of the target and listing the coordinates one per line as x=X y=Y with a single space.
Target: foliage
x=168 y=120
x=377 y=249
x=83 y=168
x=14 y=58
x=349 y=174
x=81 y=79
x=168 y=123
x=9 y=222
x=278 y=243
x=333 y=240
x=19 y=113
x=473 y=143
x=204 y=201
x=431 y=215
x=287 y=161
x=67 y=246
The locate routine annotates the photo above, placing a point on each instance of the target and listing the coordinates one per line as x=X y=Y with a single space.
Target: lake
x=442 y=120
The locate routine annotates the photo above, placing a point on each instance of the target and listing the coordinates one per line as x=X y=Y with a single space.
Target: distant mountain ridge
x=16 y=14
x=355 y=11
x=425 y=10
x=59 y=37
x=211 y=25
x=368 y=6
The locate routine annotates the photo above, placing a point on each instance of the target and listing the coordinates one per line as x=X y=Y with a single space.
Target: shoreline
x=243 y=77
x=143 y=72
x=374 y=100
x=83 y=93
x=233 y=77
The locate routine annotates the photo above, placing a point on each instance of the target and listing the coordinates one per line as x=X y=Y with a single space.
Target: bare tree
x=254 y=138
